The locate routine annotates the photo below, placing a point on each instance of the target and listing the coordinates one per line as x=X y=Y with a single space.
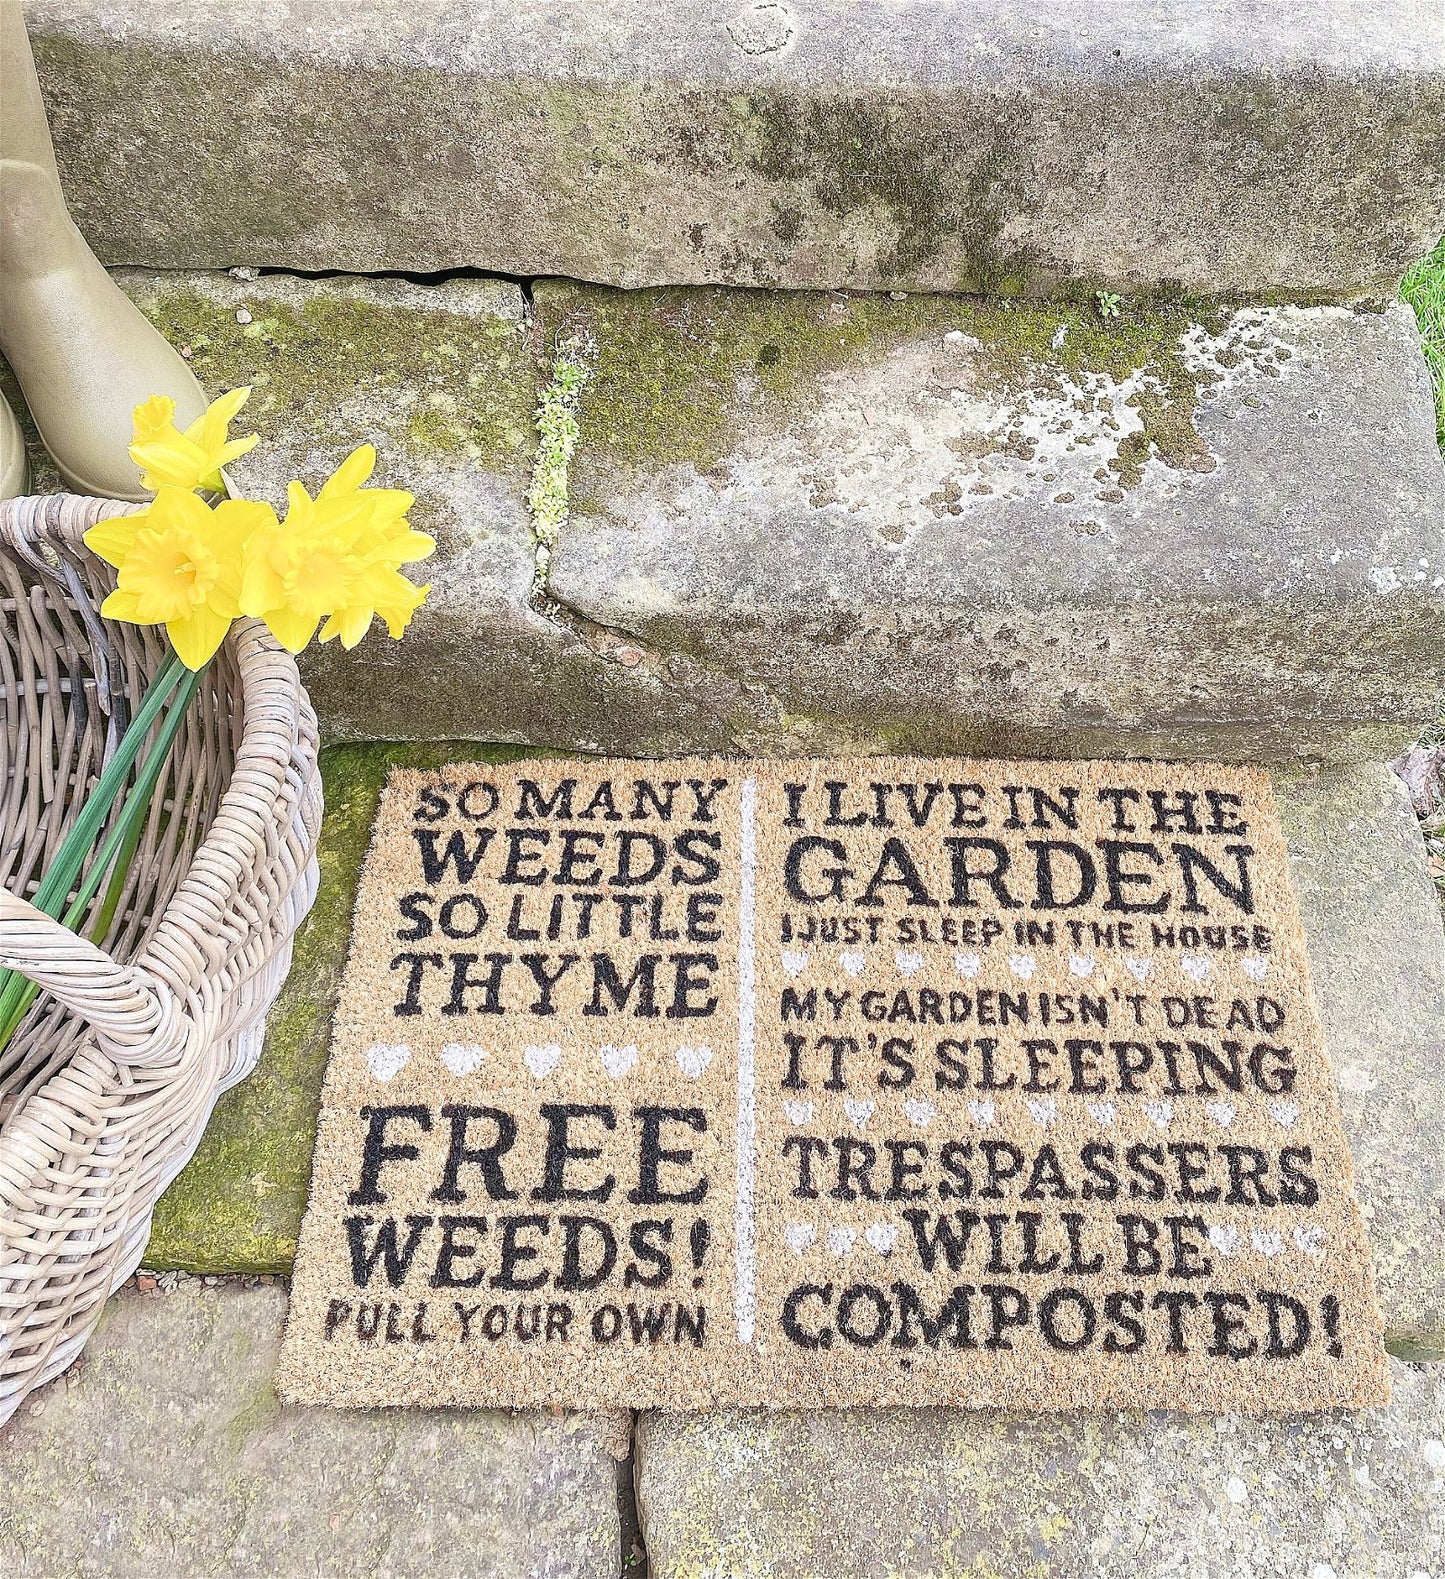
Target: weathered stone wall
x=1227 y=146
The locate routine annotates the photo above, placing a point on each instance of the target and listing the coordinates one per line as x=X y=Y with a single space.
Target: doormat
x=815 y=1083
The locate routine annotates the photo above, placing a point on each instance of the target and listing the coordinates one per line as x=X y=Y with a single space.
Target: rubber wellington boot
x=14 y=470
x=85 y=355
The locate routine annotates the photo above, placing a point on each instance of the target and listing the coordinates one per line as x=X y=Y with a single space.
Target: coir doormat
x=820 y=1083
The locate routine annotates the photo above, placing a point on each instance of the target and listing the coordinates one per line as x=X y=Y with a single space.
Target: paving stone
x=164 y=1455
x=957 y=1495
x=827 y=523
x=1377 y=964
x=989 y=144
x=1376 y=951
x=995 y=530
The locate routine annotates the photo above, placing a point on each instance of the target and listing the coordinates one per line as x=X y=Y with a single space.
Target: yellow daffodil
x=193 y=459
x=335 y=558
x=180 y=565
x=384 y=592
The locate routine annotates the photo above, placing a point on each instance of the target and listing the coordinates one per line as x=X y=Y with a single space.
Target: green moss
x=678 y=373
x=461 y=382
x=237 y=1205
x=253 y=1419
x=904 y=173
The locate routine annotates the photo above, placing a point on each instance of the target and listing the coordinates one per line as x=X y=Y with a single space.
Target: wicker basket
x=107 y=1085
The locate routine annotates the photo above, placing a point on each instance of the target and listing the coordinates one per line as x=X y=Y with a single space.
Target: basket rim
x=273 y=704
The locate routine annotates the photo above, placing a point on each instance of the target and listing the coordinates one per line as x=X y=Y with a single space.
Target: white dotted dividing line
x=745 y=1235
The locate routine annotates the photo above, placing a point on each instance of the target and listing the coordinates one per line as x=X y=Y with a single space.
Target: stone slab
x=1377 y=955
x=1377 y=958
x=825 y=523
x=442 y=379
x=960 y=526
x=1235 y=146
x=165 y=1453
x=949 y=1494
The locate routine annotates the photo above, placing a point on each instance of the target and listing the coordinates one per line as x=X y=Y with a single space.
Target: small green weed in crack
x=1424 y=289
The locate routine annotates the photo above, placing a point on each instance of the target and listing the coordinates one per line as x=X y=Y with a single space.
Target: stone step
x=1229 y=147
x=922 y=1493
x=123 y=1469
x=825 y=522
x=1377 y=956
x=164 y=1454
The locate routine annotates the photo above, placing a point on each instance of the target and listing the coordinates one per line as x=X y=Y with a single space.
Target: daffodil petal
x=111 y=540
x=261 y=588
x=120 y=605
x=196 y=638
x=233 y=449
x=181 y=505
x=351 y=473
x=293 y=630
x=298 y=501
x=235 y=521
x=411 y=547
x=170 y=461
x=226 y=406
x=349 y=624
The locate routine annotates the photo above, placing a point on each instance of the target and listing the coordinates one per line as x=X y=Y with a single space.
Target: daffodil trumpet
x=195 y=560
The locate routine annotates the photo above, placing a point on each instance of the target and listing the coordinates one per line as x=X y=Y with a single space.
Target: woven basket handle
x=119 y=1002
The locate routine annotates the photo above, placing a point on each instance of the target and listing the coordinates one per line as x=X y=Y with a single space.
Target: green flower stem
x=172 y=678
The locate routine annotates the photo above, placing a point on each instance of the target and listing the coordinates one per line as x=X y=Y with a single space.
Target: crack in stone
x=749 y=715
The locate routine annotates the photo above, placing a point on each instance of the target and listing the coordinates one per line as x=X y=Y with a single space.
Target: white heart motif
x=1081 y=964
x=1022 y=965
x=1221 y=1112
x=1225 y=1239
x=1258 y=968
x=463 y=1058
x=840 y=1240
x=1160 y=1112
x=967 y=964
x=1311 y=1239
x=542 y=1060
x=798 y=1112
x=908 y=962
x=1284 y=1113
x=919 y=1111
x=798 y=1236
x=1195 y=966
x=618 y=1061
x=1268 y=1241
x=853 y=962
x=1137 y=968
x=387 y=1059
x=1044 y=1109
x=693 y=1060
x=795 y=961
x=858 y=1112
x=982 y=1112
x=1101 y=1113
x=882 y=1236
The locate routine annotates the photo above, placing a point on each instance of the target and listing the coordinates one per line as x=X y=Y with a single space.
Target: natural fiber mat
x=821 y=1083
